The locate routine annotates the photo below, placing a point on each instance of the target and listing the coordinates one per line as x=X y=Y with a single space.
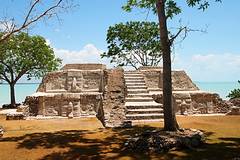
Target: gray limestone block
x=71 y=96
x=74 y=74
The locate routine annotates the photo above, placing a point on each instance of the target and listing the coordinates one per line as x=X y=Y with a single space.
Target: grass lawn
x=87 y=139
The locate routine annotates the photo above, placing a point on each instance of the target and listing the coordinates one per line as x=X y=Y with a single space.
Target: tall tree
x=167 y=9
x=38 y=10
x=134 y=44
x=22 y=54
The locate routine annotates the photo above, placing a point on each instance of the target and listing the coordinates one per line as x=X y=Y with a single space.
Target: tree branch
x=185 y=30
x=28 y=21
x=24 y=71
x=181 y=29
x=5 y=64
x=5 y=77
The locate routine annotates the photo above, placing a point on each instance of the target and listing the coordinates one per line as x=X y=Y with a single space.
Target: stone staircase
x=139 y=103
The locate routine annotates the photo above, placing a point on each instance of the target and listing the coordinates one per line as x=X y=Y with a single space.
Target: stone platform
x=115 y=96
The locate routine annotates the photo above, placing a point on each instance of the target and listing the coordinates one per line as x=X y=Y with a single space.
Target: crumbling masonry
x=115 y=96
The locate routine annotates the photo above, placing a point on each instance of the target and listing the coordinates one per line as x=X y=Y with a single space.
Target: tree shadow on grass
x=109 y=144
x=81 y=144
x=225 y=149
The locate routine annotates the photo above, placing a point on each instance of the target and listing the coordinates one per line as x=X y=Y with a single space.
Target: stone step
x=139 y=95
x=133 y=75
x=133 y=78
x=132 y=72
x=146 y=121
x=144 y=116
x=139 y=99
x=134 y=81
x=136 y=87
x=132 y=91
x=142 y=105
x=135 y=84
x=145 y=111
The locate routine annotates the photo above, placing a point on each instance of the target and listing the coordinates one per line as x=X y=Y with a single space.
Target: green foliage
x=234 y=93
x=23 y=54
x=134 y=43
x=171 y=6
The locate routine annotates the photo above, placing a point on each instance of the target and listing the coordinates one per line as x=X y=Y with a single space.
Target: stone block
x=234 y=111
x=50 y=111
x=74 y=74
x=15 y=116
x=1 y=131
x=71 y=96
x=86 y=66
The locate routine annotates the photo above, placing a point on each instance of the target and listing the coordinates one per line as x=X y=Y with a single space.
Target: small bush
x=234 y=93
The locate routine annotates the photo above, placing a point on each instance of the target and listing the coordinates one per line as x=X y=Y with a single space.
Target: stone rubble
x=234 y=111
x=163 y=141
x=15 y=116
x=235 y=102
x=1 y=131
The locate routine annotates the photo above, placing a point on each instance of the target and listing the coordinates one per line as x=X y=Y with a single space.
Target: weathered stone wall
x=153 y=78
x=87 y=66
x=150 y=68
x=33 y=104
x=180 y=80
x=63 y=104
x=235 y=102
x=114 y=96
x=85 y=80
x=72 y=81
x=196 y=102
x=209 y=103
x=53 y=81
x=181 y=101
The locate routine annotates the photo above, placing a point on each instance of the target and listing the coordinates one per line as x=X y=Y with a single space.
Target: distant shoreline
x=18 y=83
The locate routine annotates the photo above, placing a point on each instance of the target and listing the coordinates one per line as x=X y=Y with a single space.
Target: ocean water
x=23 y=90
x=222 y=88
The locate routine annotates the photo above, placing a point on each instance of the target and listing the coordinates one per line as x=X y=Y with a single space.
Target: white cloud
x=210 y=67
x=88 y=54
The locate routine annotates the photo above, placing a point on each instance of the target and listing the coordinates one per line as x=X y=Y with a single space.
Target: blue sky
x=80 y=36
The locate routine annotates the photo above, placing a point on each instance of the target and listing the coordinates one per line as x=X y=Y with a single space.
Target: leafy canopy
x=24 y=54
x=134 y=44
x=234 y=93
x=171 y=6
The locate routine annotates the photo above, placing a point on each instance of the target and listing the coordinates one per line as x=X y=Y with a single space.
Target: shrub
x=234 y=93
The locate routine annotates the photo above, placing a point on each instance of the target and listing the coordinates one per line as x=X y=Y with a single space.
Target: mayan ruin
x=119 y=80
x=116 y=96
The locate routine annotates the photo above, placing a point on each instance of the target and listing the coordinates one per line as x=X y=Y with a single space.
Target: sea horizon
x=24 y=89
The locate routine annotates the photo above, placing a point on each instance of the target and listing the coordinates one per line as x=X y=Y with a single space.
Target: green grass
x=87 y=139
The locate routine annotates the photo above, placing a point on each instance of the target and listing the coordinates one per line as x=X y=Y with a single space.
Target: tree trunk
x=170 y=123
x=12 y=94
